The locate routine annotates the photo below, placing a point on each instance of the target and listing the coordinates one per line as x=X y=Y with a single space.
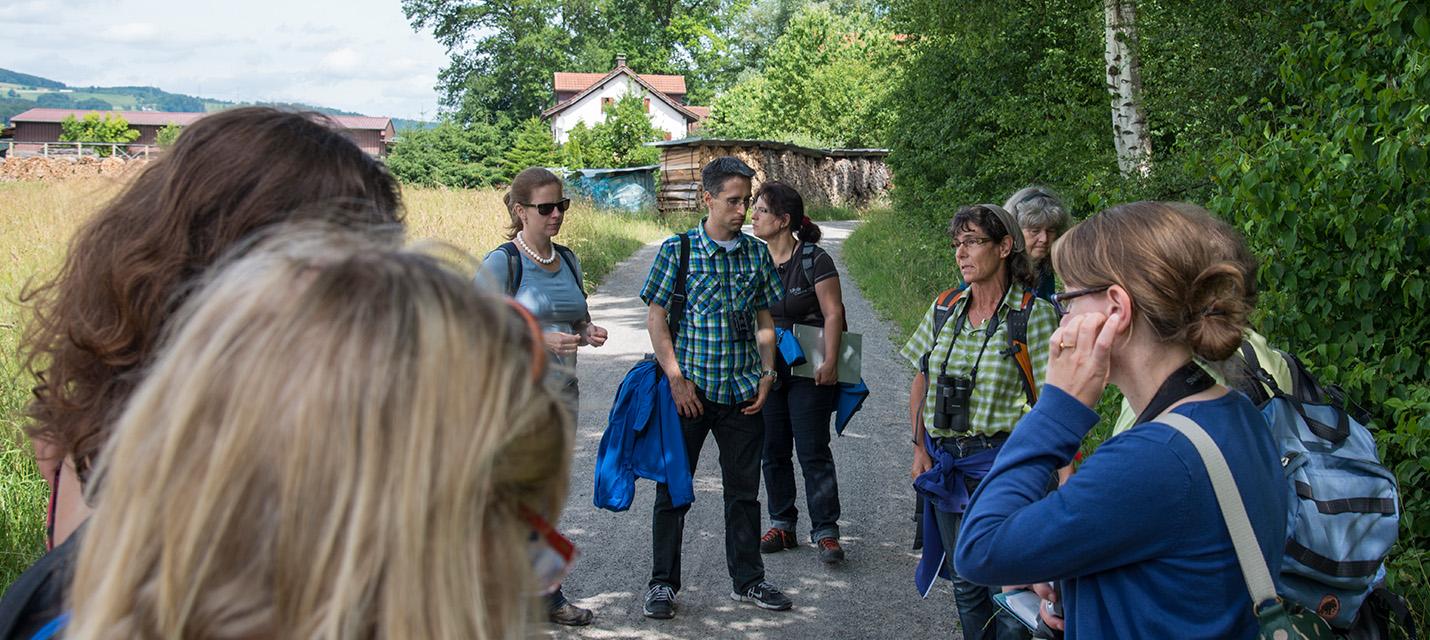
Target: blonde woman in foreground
x=342 y=439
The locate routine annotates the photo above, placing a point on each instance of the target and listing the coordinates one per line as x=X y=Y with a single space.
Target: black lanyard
x=990 y=327
x=1188 y=380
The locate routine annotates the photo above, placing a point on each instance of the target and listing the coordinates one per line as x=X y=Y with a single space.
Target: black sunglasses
x=546 y=208
x=1060 y=299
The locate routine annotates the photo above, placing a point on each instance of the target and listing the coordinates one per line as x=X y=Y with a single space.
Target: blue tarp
x=630 y=189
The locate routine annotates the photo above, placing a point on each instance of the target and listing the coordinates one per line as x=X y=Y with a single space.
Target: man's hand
x=687 y=404
x=561 y=344
x=922 y=462
x=1049 y=595
x=766 y=383
x=827 y=373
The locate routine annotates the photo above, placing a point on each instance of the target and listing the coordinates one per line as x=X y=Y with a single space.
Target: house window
x=607 y=102
x=647 y=105
x=667 y=135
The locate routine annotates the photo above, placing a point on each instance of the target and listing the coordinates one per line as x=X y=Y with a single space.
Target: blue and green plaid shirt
x=739 y=281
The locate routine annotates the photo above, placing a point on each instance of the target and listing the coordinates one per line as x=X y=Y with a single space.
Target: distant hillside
x=20 y=92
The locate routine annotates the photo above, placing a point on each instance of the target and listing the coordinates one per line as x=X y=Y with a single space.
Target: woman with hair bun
x=797 y=411
x=1136 y=538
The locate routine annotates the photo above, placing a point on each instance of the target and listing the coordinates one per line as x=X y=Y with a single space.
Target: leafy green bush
x=168 y=135
x=532 y=146
x=1328 y=181
x=619 y=141
x=93 y=128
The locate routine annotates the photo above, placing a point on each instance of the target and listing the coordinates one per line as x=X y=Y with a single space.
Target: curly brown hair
x=98 y=321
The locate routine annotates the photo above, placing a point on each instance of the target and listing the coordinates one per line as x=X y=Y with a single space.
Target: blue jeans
x=797 y=420
x=979 y=616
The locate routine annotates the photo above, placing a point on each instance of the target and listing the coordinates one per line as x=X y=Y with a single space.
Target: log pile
x=42 y=168
x=856 y=178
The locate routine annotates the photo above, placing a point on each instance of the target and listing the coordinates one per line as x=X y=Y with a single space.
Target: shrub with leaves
x=450 y=155
x=168 y=135
x=532 y=146
x=110 y=128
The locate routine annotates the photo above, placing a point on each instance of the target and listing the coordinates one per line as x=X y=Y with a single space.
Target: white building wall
x=588 y=110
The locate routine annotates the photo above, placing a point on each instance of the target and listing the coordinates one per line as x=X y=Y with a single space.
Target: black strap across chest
x=1188 y=380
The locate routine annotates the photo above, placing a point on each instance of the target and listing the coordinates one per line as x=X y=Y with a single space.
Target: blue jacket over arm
x=643 y=439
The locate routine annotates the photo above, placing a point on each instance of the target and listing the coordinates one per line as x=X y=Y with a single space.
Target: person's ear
x=1120 y=303
x=708 y=198
x=1005 y=247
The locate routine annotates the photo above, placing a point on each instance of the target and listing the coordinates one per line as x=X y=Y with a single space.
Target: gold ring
x=1064 y=345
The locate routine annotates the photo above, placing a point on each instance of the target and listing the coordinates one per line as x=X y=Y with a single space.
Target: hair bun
x=1217 y=310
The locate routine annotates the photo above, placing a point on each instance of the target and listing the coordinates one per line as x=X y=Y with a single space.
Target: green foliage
x=54 y=101
x=450 y=155
x=504 y=54
x=168 y=134
x=825 y=79
x=1328 y=180
x=93 y=103
x=93 y=128
x=532 y=146
x=27 y=80
x=617 y=142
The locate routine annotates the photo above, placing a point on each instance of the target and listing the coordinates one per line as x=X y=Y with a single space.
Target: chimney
x=620 y=60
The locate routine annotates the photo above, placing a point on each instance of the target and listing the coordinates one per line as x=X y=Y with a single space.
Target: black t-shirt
x=800 y=305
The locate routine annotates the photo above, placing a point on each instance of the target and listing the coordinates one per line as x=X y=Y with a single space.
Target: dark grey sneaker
x=829 y=551
x=660 y=602
x=571 y=615
x=765 y=596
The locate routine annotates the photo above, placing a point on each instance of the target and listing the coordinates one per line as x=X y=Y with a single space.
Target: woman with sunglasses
x=548 y=284
x=973 y=385
x=342 y=439
x=1136 y=538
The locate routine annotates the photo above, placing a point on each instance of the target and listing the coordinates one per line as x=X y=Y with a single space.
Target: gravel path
x=870 y=596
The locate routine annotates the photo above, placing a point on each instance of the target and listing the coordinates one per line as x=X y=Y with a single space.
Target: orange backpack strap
x=942 y=309
x=1018 y=345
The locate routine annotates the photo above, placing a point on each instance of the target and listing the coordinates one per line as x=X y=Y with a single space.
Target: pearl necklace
x=539 y=260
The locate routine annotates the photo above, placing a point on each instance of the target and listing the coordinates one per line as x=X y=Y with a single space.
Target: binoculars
x=952 y=395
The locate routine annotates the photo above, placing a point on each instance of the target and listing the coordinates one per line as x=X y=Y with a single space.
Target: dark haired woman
x=1136 y=537
x=798 y=409
x=548 y=284
x=980 y=388
x=98 y=322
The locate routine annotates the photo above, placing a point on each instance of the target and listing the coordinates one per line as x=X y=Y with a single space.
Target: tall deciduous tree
x=1124 y=81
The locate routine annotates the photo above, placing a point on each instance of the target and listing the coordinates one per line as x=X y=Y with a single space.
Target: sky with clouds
x=356 y=55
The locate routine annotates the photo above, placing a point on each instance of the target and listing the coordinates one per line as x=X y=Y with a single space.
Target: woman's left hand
x=827 y=373
x=1080 y=355
x=594 y=335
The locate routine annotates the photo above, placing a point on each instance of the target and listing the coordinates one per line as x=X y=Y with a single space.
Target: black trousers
x=740 y=439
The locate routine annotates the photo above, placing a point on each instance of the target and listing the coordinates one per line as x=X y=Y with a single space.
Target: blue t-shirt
x=554 y=297
x=1135 y=536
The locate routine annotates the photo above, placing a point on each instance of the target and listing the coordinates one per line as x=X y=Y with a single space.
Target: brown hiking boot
x=777 y=539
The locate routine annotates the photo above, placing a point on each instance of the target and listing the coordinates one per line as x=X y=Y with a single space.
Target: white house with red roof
x=583 y=97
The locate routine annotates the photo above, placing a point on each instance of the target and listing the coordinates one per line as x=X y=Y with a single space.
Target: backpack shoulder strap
x=943 y=309
x=1018 y=345
x=1257 y=380
x=806 y=261
x=513 y=267
x=677 y=299
x=569 y=258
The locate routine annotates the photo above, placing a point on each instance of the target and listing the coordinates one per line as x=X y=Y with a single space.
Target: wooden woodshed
x=839 y=177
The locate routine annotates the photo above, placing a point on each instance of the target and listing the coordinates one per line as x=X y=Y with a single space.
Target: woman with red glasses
x=545 y=278
x=341 y=439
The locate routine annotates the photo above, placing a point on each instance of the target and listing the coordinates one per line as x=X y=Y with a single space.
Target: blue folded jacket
x=643 y=439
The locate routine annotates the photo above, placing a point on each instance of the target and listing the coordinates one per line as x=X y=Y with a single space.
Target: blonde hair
x=1175 y=261
x=335 y=443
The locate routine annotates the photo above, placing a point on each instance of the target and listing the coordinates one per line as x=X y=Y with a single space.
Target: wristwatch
x=768 y=373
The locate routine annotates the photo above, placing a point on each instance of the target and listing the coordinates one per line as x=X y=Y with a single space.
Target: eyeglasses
x=970 y=243
x=546 y=208
x=1060 y=299
x=739 y=202
x=552 y=554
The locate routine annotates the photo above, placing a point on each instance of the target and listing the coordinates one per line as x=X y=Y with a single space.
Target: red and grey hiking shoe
x=777 y=539
x=829 y=550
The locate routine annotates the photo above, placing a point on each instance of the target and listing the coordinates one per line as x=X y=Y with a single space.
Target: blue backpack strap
x=513 y=267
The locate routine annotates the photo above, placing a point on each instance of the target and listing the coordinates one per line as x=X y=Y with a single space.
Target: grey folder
x=811 y=340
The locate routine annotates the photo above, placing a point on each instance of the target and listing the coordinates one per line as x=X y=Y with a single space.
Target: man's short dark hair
x=714 y=175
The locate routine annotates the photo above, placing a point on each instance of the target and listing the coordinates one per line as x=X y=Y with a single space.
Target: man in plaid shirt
x=720 y=367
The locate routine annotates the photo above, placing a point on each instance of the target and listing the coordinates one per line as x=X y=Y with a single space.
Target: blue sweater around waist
x=1135 y=537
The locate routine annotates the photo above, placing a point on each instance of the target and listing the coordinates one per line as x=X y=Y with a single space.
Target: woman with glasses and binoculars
x=545 y=278
x=981 y=350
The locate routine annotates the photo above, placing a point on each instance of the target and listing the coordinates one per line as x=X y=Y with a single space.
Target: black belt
x=963 y=442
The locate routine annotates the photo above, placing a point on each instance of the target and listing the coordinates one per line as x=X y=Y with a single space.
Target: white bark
x=1124 y=83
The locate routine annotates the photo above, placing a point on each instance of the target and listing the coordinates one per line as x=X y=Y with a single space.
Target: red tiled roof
x=566 y=81
x=703 y=112
x=181 y=118
x=623 y=70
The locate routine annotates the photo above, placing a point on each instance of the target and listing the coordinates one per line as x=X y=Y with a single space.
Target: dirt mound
x=42 y=168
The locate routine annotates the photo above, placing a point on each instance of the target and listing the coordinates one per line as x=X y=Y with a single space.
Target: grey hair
x=714 y=175
x=1039 y=207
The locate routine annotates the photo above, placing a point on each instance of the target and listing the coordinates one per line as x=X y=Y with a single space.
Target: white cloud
x=132 y=33
x=344 y=61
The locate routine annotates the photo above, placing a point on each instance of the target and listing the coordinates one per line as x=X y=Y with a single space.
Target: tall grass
x=38 y=218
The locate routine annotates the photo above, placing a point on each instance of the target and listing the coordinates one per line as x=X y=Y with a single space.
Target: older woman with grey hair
x=1043 y=217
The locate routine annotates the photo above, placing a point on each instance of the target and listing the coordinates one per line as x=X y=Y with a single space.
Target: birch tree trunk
x=1124 y=83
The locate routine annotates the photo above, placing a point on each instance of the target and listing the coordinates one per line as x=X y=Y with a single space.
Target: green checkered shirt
x=742 y=280
x=998 y=398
